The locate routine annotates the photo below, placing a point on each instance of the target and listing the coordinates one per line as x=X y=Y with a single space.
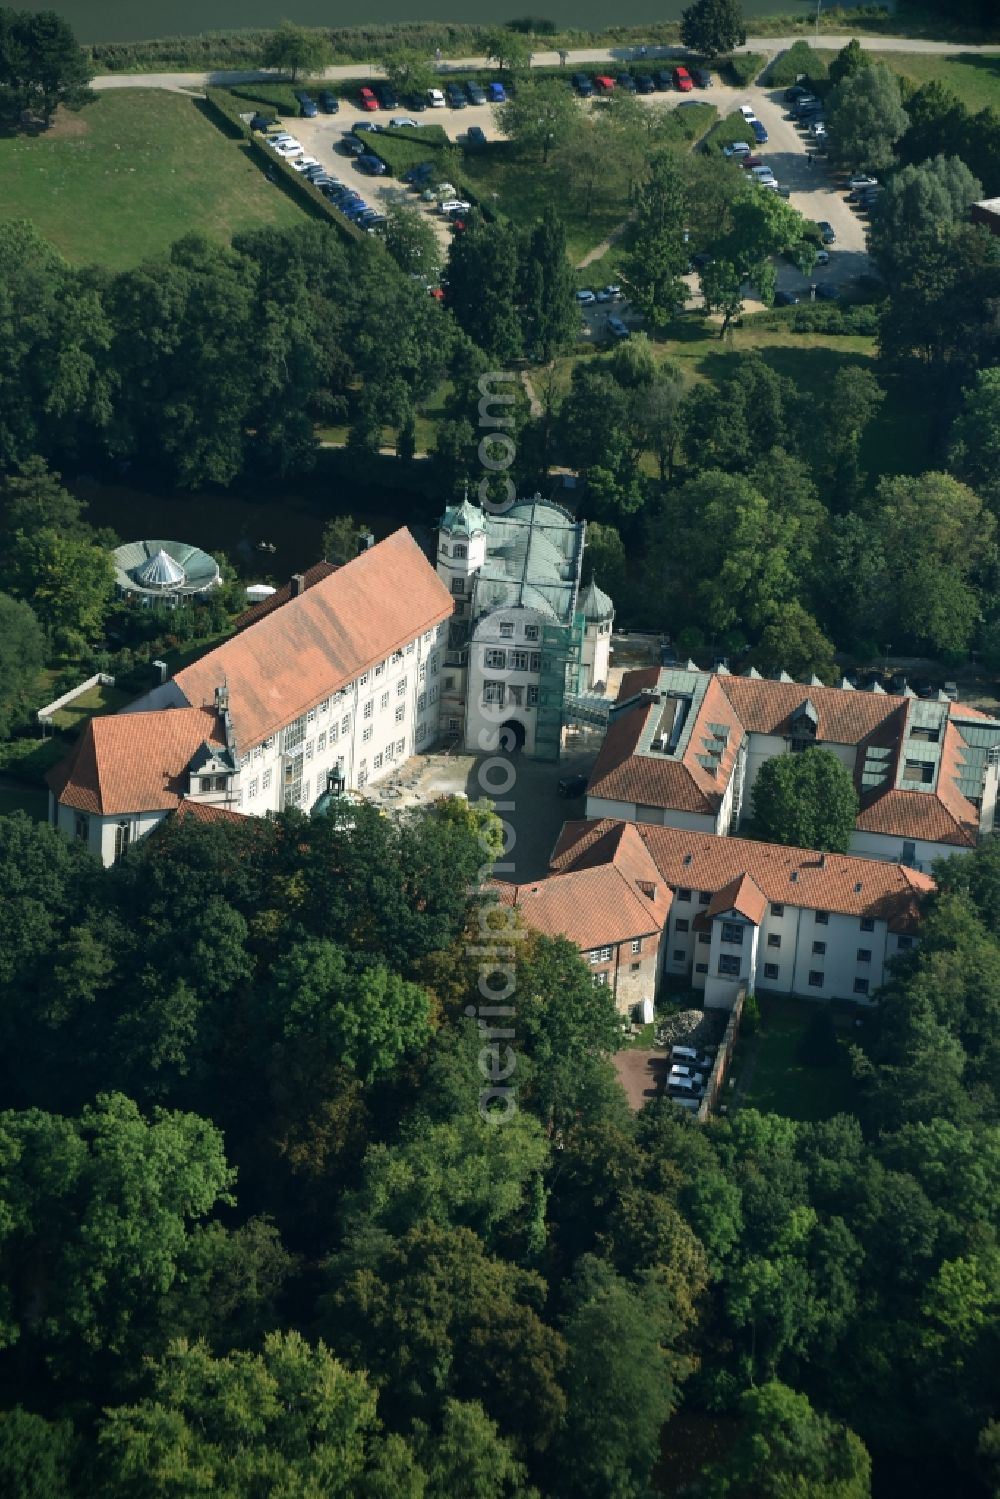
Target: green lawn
x=119 y=181
x=973 y=76
x=769 y=1075
x=97 y=700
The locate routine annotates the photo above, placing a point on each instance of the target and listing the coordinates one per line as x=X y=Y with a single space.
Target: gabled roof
x=742 y=895
x=205 y=812
x=843 y=883
x=310 y=578
x=303 y=652
x=602 y=902
x=133 y=762
x=689 y=771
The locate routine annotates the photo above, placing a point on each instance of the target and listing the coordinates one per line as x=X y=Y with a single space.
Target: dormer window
x=804 y=721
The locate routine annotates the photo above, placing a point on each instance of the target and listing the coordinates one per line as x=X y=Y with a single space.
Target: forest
x=261 y=1233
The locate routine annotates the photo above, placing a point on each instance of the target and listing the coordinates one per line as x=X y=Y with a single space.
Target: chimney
x=365 y=542
x=822 y=861
x=222 y=698
x=162 y=670
x=298 y=584
x=991 y=780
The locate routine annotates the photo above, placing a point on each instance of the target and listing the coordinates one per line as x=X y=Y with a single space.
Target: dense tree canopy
x=42 y=65
x=807 y=800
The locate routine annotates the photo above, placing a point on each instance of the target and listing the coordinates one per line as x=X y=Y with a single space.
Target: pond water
x=134 y=20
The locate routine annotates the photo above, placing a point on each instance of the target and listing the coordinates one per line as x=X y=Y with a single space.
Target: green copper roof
x=594 y=603
x=533 y=556
x=463 y=520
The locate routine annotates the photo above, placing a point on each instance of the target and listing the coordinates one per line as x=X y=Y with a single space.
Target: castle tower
x=461 y=554
x=599 y=613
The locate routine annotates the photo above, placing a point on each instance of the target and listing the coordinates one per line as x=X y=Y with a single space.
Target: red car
x=368 y=99
x=746 y=162
x=604 y=83
x=682 y=80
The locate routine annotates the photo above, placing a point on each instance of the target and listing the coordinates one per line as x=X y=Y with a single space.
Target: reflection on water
x=132 y=20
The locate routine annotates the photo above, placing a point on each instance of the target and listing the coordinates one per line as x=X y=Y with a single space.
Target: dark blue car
x=372 y=165
x=308 y=105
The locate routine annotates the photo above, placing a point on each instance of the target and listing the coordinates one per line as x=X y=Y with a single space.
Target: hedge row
x=821 y=317
x=279 y=96
x=799 y=61
x=733 y=128
x=402 y=149
x=742 y=68
x=224 y=109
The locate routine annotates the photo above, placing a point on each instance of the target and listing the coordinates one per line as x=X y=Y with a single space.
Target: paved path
x=767 y=44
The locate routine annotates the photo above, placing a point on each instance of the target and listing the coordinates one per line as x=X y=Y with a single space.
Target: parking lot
x=814 y=190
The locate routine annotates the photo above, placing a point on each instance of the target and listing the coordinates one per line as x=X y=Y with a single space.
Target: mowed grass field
x=116 y=183
x=973 y=76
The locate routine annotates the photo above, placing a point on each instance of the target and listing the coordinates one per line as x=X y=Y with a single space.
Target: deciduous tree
x=807 y=800
x=296 y=49
x=865 y=119
x=713 y=26
x=42 y=65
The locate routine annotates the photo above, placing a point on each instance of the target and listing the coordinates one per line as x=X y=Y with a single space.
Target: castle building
x=684 y=747
x=523 y=635
x=342 y=680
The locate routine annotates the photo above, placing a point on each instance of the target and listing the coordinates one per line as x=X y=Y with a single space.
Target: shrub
x=278 y=95
x=750 y=1019
x=799 y=60
x=733 y=128
x=226 y=110
x=741 y=68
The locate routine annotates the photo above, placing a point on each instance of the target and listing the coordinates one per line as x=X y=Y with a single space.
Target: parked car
x=604 y=82
x=456 y=97
x=497 y=93
x=785 y=299
x=329 y=103
x=435 y=98
x=736 y=148
x=664 y=79
x=702 y=77
x=626 y=81
x=385 y=96
x=373 y=165
x=475 y=136
x=759 y=131
x=288 y=149
x=614 y=291
x=403 y=122
x=586 y=298
x=827 y=231
x=690 y=1056
x=304 y=163
x=795 y=92
x=420 y=175
x=747 y=111
x=372 y=127
x=454 y=205
x=822 y=257
x=583 y=85
x=683 y=81
x=445 y=190
x=307 y=104
x=262 y=122
x=572 y=786
x=415 y=103
x=763 y=174
x=751 y=161
x=827 y=293
x=644 y=84
x=860 y=180
x=683 y=1087
x=367 y=99
x=818 y=130
x=476 y=92
x=681 y=1070
x=618 y=328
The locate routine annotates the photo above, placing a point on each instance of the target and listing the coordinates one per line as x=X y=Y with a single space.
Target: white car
x=585 y=298
x=763 y=174
x=435 y=98
x=860 y=180
x=454 y=205
x=289 y=149
x=445 y=190
x=746 y=110
x=738 y=148
x=402 y=122
x=304 y=163
x=822 y=257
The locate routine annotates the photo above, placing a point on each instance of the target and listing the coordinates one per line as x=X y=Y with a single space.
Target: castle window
x=531 y=632
x=123 y=833
x=460 y=550
x=506 y=630
x=497 y=660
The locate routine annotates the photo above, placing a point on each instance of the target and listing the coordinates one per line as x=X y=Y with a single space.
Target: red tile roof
x=602 y=902
x=744 y=705
x=205 y=812
x=310 y=577
x=742 y=895
x=316 y=643
x=133 y=762
x=843 y=883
